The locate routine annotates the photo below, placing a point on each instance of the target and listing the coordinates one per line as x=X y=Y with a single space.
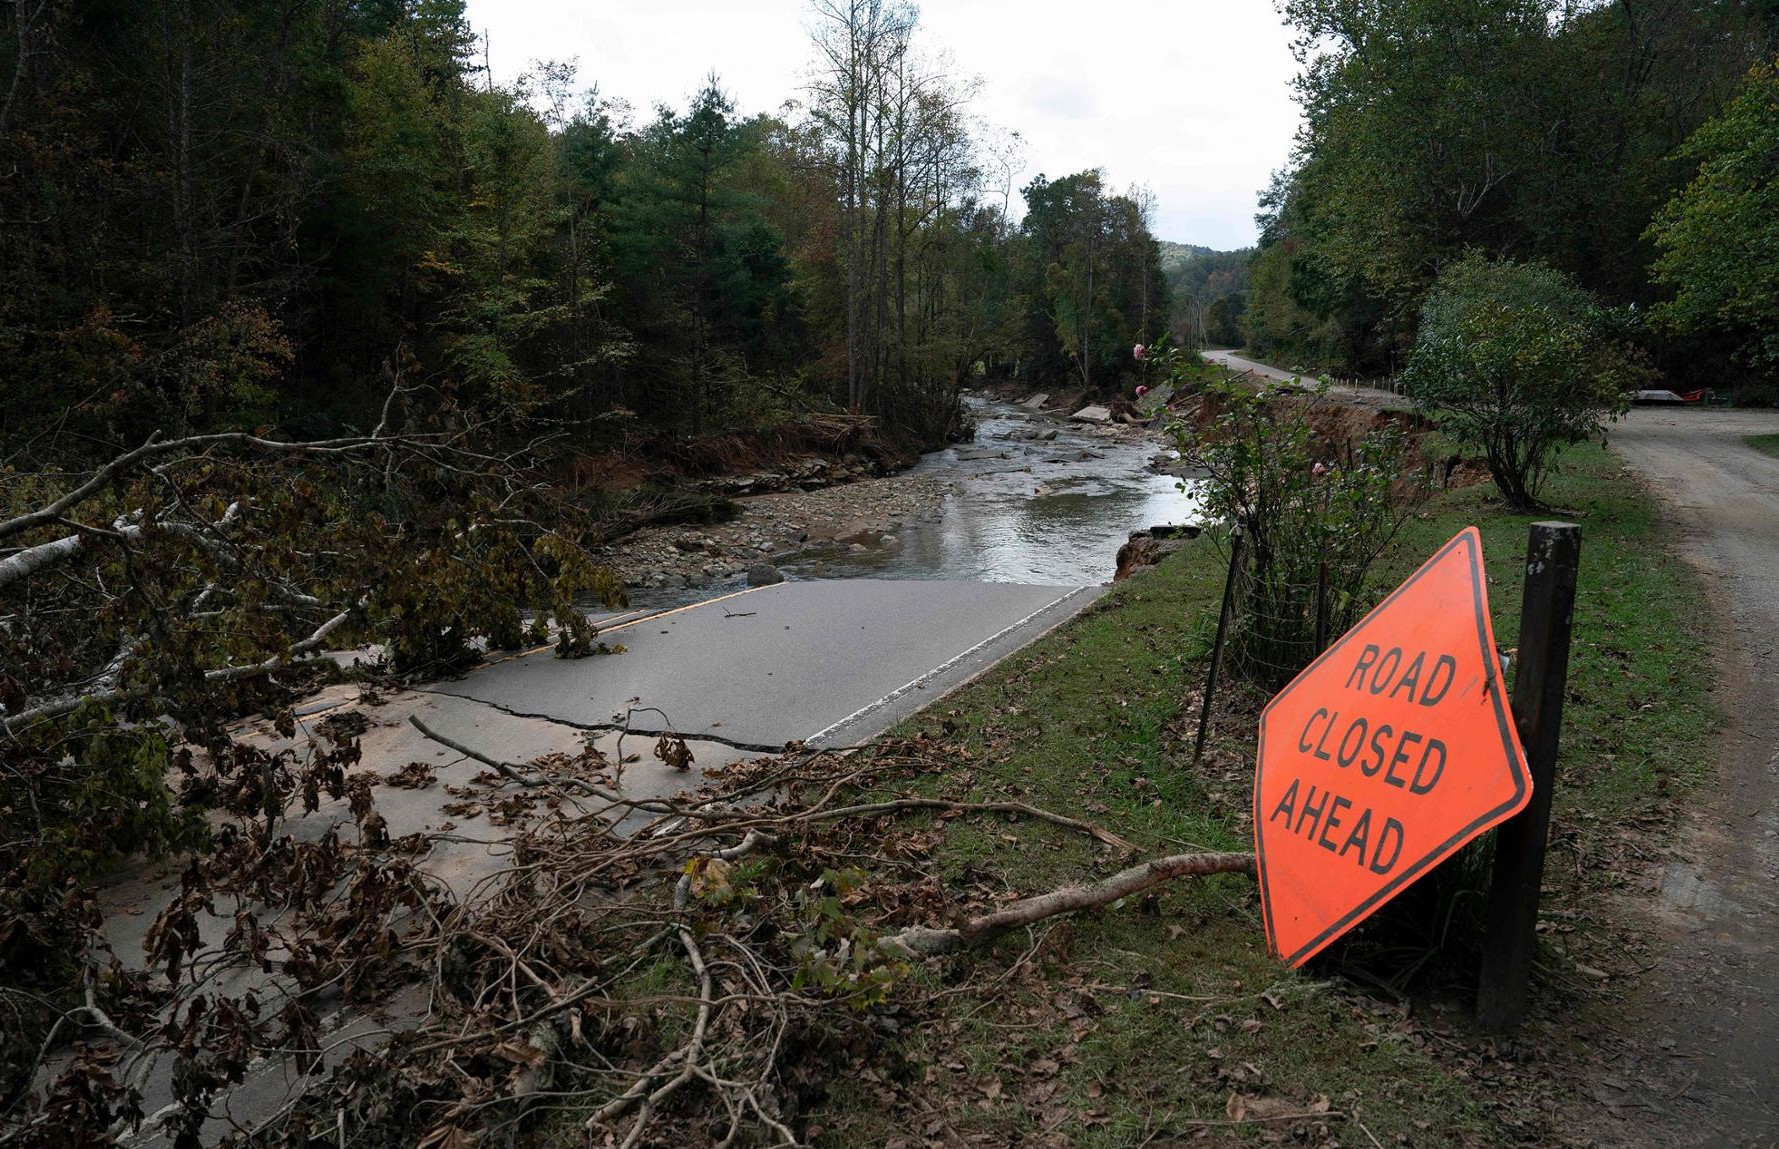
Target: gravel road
x=1708 y=1074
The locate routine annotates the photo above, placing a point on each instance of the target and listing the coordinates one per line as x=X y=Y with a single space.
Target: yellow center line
x=681 y=609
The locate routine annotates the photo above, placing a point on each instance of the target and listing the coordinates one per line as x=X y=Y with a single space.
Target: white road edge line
x=915 y=684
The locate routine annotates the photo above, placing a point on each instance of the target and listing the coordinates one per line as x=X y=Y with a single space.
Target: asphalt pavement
x=826 y=663
x=823 y=663
x=1235 y=362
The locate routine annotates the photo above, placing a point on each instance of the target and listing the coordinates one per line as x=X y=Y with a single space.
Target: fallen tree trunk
x=920 y=941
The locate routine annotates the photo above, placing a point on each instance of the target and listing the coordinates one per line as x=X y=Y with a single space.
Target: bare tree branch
x=111 y=695
x=923 y=942
x=31 y=560
x=154 y=448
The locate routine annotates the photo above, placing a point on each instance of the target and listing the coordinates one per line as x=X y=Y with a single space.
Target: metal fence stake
x=1204 y=713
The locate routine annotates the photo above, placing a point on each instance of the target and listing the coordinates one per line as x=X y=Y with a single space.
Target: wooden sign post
x=1547 y=616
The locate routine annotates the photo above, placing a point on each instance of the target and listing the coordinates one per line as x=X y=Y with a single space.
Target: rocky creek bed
x=1036 y=498
x=868 y=515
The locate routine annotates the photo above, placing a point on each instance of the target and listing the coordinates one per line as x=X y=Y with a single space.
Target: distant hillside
x=1176 y=255
x=1204 y=273
x=1210 y=292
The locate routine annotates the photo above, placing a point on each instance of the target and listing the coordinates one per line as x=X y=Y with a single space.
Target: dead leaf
x=672 y=749
x=448 y=1137
x=710 y=878
x=521 y=1052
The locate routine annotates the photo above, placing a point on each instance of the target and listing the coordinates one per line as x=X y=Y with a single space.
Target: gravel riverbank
x=868 y=515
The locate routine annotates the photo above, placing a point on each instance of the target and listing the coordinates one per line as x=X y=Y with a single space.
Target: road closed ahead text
x=1379 y=753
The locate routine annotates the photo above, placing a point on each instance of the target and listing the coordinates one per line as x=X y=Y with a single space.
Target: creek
x=1023 y=507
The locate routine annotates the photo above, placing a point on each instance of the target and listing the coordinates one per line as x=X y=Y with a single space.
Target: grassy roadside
x=1161 y=1020
x=1765 y=444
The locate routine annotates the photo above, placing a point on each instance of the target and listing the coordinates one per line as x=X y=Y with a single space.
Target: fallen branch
x=899 y=804
x=154 y=448
x=510 y=773
x=919 y=941
x=111 y=695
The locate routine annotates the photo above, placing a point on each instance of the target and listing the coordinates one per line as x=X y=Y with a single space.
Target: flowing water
x=1023 y=509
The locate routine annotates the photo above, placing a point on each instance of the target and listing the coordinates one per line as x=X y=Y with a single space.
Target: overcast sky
x=1190 y=96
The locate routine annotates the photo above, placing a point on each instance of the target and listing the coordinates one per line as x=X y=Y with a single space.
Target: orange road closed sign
x=1385 y=756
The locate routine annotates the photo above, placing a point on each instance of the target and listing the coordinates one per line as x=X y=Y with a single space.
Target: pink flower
x=1140 y=352
x=1318 y=470
x=1142 y=391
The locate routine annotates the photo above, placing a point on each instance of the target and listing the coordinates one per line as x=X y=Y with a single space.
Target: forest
x=313 y=336
x=227 y=214
x=1210 y=293
x=1620 y=143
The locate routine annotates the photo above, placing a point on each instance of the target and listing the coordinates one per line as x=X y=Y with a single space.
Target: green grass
x=1640 y=671
x=1765 y=444
x=1109 y=1028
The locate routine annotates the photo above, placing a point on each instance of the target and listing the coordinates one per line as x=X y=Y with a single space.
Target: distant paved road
x=1715 y=994
x=1357 y=394
x=1236 y=363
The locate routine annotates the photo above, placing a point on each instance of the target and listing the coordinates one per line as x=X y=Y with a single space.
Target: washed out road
x=828 y=664
x=1236 y=363
x=1708 y=1073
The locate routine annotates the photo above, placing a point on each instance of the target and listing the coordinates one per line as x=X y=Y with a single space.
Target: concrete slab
x=1094 y=414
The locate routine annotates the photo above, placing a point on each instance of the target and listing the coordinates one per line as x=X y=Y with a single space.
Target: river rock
x=764 y=574
x=1147 y=548
x=1142 y=552
x=784 y=523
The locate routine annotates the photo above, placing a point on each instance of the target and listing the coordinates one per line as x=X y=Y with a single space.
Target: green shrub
x=1515 y=360
x=1315 y=515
